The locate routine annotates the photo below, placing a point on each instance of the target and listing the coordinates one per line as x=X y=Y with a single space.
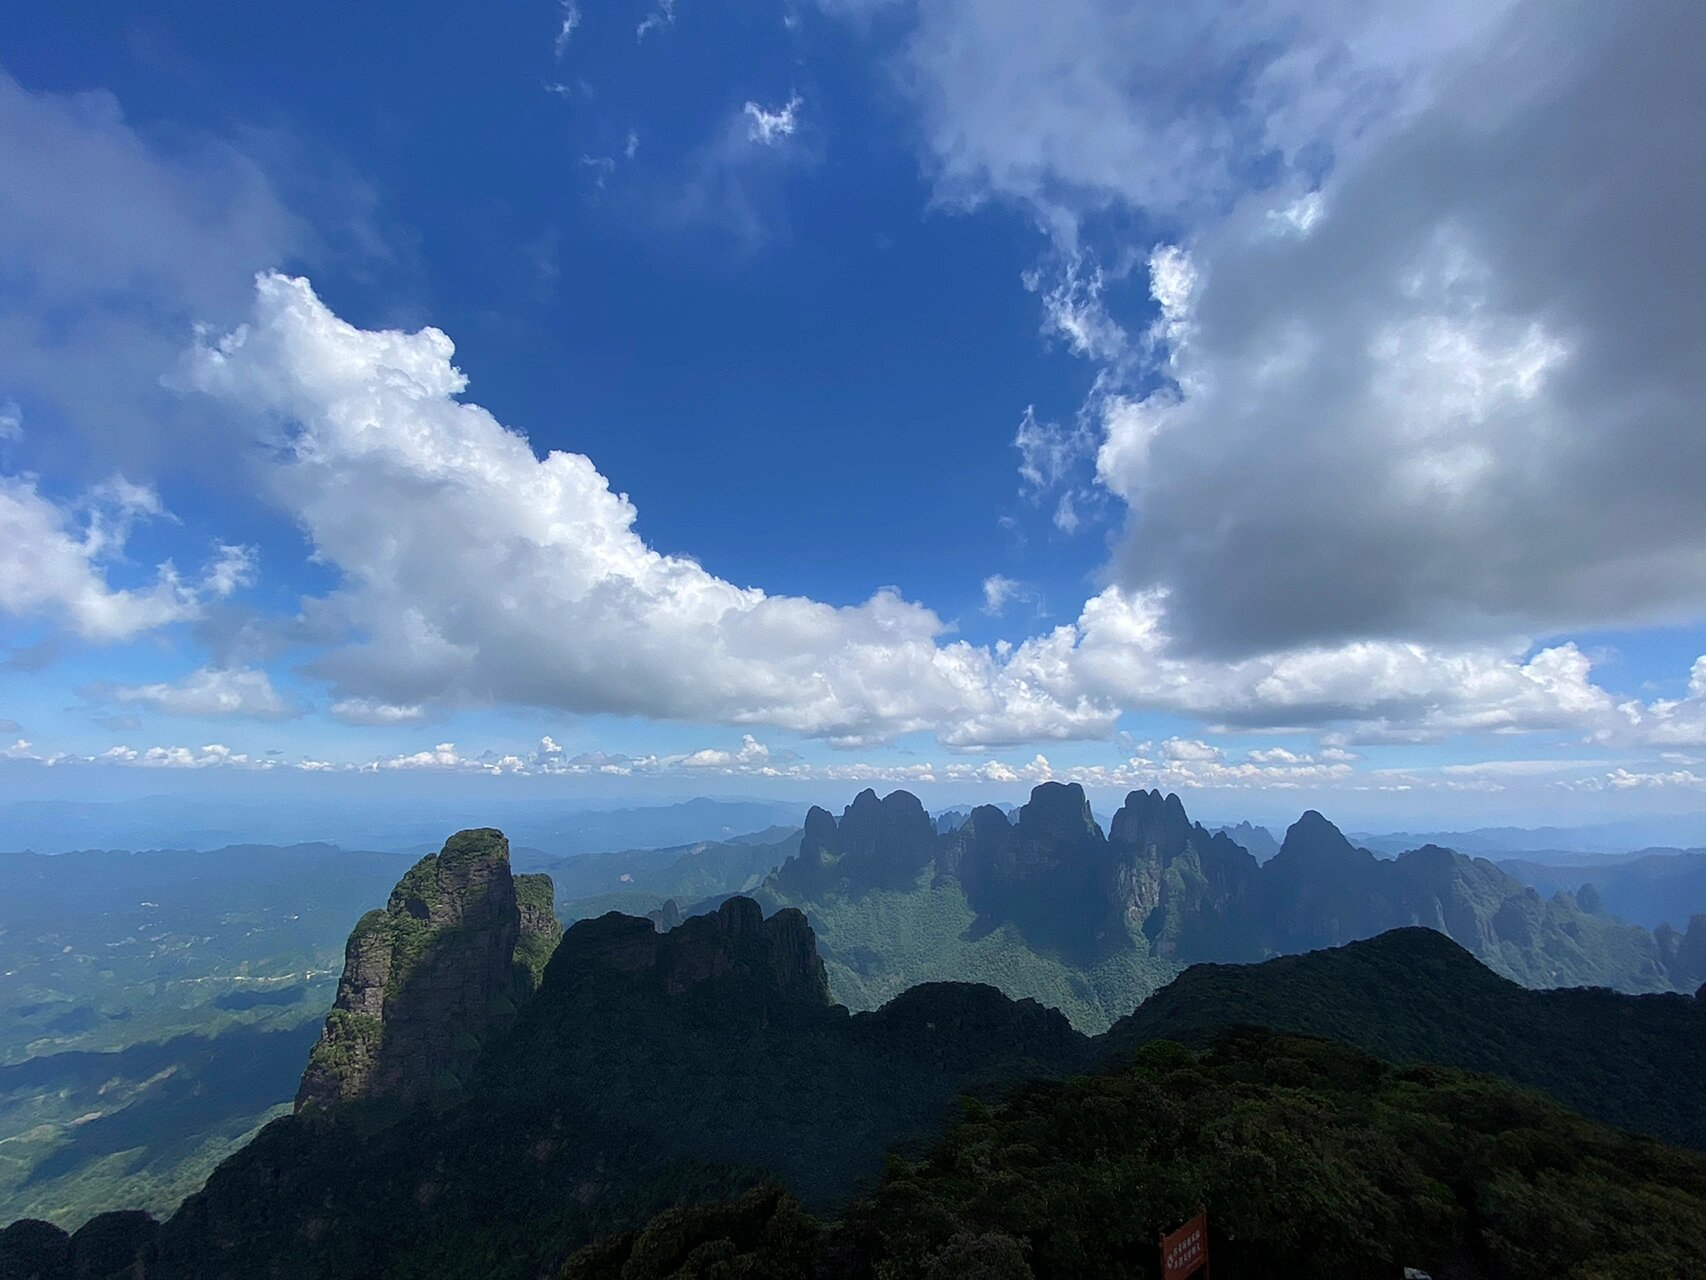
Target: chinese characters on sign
x=1186 y=1250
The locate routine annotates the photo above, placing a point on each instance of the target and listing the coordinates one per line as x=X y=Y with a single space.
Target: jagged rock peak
x=1313 y=822
x=445 y=965
x=1152 y=802
x=1060 y=810
x=1149 y=818
x=1313 y=839
x=777 y=955
x=897 y=816
x=877 y=844
x=666 y=917
x=977 y=845
x=455 y=886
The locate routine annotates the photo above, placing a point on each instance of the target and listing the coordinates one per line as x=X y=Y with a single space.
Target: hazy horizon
x=55 y=824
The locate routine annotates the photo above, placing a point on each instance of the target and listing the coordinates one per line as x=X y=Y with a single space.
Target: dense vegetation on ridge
x=1312 y=1159
x=1413 y=995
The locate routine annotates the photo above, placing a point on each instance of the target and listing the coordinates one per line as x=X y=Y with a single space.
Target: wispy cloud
x=769 y=126
x=599 y=169
x=660 y=17
x=1000 y=591
x=570 y=20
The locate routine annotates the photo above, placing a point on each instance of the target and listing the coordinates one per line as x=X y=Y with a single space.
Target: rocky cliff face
x=1042 y=872
x=539 y=929
x=1194 y=895
x=1156 y=881
x=443 y=967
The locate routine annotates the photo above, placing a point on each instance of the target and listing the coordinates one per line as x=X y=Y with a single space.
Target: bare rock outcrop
x=428 y=979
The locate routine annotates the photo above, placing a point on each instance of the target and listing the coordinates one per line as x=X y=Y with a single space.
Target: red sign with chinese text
x=1183 y=1252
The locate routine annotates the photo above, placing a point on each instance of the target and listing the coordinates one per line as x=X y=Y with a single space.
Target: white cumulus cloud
x=473 y=568
x=475 y=571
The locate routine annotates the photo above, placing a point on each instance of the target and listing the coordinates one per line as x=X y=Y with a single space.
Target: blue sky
x=1291 y=406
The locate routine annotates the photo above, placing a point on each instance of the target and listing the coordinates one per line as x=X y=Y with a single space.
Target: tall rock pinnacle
x=429 y=978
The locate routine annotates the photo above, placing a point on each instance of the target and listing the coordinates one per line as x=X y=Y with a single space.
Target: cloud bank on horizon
x=1390 y=322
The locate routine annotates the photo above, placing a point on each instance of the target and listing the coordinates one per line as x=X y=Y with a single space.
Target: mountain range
x=1651 y=887
x=160 y=1004
x=648 y=1066
x=1258 y=842
x=556 y=827
x=471 y=1111
x=1591 y=840
x=1047 y=906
